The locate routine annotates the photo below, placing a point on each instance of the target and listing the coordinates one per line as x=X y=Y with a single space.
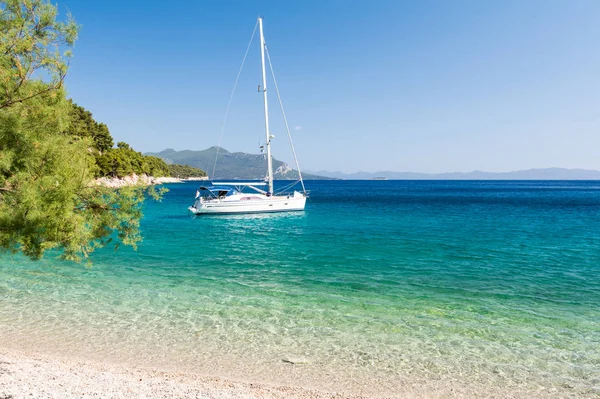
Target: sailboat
x=230 y=198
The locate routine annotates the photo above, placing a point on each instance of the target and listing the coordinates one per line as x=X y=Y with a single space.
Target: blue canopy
x=213 y=188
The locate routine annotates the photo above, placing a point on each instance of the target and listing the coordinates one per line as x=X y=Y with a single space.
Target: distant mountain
x=531 y=174
x=232 y=165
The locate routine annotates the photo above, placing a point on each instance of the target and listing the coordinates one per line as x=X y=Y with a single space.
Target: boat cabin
x=215 y=192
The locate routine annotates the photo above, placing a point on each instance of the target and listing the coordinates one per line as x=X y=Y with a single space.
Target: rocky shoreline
x=145 y=180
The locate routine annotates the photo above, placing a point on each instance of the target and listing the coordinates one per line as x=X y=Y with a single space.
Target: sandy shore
x=29 y=376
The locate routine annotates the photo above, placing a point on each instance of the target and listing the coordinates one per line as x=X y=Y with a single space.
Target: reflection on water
x=254 y=216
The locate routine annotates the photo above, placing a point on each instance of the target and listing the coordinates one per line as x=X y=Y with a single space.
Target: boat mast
x=264 y=89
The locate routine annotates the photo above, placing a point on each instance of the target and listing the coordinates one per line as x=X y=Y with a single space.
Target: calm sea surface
x=379 y=286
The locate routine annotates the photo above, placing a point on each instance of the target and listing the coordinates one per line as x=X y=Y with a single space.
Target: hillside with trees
x=82 y=124
x=120 y=161
x=232 y=165
x=184 y=171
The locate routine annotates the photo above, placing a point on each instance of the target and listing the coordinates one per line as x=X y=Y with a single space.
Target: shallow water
x=377 y=286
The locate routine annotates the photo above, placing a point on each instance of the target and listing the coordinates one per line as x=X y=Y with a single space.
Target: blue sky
x=422 y=86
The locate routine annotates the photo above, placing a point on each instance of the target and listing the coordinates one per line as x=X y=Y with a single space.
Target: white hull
x=249 y=203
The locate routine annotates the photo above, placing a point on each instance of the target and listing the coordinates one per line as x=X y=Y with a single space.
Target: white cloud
x=297 y=128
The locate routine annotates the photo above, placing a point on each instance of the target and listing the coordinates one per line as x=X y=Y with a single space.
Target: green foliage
x=184 y=171
x=32 y=43
x=156 y=166
x=48 y=199
x=115 y=162
x=82 y=124
x=124 y=161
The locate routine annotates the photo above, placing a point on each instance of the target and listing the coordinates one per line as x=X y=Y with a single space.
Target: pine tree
x=47 y=196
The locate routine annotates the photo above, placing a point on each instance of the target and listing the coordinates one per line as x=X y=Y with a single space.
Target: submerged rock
x=294 y=360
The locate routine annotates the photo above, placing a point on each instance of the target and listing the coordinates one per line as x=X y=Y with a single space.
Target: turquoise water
x=379 y=287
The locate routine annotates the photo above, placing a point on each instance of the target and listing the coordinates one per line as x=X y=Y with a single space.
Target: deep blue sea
x=487 y=287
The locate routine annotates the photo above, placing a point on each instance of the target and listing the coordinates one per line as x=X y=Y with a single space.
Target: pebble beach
x=37 y=376
x=34 y=376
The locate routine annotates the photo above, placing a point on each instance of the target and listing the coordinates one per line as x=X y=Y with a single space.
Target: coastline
x=132 y=180
x=31 y=375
